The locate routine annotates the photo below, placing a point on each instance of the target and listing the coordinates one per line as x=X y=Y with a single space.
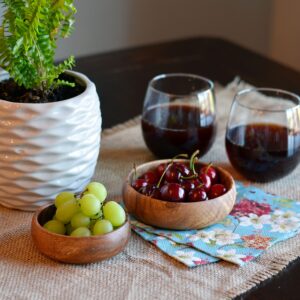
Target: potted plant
x=50 y=120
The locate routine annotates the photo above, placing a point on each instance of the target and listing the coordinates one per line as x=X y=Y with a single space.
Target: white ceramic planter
x=46 y=148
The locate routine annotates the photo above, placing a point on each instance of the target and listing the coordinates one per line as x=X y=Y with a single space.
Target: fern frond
x=34 y=18
x=16 y=7
x=28 y=36
x=64 y=82
x=65 y=65
x=67 y=27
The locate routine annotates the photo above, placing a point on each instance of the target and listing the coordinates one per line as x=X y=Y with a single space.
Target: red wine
x=172 y=129
x=263 y=152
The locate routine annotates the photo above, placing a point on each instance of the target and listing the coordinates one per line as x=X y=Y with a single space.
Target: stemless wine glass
x=179 y=114
x=263 y=133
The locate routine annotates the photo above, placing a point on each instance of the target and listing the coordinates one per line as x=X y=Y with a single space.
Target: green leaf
x=17 y=45
x=287 y=203
x=177 y=235
x=28 y=36
x=212 y=243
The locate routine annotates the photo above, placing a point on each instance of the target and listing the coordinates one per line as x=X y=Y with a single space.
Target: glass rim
x=187 y=75
x=267 y=89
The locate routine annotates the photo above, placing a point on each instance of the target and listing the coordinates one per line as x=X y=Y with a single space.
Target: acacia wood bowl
x=177 y=215
x=76 y=250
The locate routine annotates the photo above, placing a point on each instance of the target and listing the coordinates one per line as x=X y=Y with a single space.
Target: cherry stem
x=189 y=177
x=200 y=185
x=163 y=174
x=208 y=166
x=192 y=161
x=134 y=173
x=182 y=155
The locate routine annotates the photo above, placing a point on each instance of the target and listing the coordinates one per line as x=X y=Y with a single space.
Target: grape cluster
x=87 y=215
x=181 y=182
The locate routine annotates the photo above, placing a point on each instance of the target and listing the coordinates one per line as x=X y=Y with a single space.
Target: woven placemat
x=141 y=271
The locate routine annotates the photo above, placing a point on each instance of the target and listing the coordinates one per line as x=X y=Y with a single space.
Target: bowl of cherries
x=179 y=193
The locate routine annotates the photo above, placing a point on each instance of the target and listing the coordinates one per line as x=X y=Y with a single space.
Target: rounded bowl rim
x=36 y=223
x=159 y=161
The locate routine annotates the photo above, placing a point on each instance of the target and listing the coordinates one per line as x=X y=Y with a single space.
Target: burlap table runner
x=141 y=271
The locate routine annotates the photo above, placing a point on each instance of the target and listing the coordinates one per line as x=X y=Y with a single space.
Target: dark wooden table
x=121 y=78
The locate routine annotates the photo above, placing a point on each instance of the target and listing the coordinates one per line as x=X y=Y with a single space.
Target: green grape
x=114 y=213
x=63 y=197
x=90 y=205
x=81 y=231
x=66 y=211
x=93 y=222
x=98 y=190
x=69 y=228
x=102 y=227
x=97 y=216
x=55 y=226
x=80 y=220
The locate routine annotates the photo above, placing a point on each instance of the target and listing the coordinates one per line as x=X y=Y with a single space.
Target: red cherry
x=160 y=169
x=198 y=194
x=205 y=180
x=217 y=190
x=139 y=183
x=146 y=190
x=151 y=191
x=196 y=182
x=156 y=194
x=150 y=177
x=190 y=184
x=187 y=185
x=172 y=174
x=211 y=172
x=183 y=169
x=172 y=192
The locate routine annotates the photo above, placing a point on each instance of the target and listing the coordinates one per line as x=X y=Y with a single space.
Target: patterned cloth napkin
x=257 y=221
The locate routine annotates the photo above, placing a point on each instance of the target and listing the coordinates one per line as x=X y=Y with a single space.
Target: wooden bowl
x=178 y=215
x=77 y=250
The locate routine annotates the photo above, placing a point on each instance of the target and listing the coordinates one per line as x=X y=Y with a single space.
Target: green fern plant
x=28 y=38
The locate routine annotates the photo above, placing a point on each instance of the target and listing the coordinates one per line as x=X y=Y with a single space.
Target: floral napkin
x=257 y=221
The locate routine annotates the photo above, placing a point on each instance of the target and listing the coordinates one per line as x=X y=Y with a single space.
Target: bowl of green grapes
x=82 y=228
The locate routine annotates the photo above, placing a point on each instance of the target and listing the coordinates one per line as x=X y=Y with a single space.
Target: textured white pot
x=46 y=148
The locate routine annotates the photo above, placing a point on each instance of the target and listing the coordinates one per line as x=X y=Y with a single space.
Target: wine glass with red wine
x=179 y=115
x=263 y=133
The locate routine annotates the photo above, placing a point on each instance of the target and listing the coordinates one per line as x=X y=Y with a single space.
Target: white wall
x=104 y=25
x=285 y=33
x=270 y=27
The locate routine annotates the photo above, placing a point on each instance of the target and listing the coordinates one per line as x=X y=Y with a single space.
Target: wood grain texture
x=76 y=250
x=177 y=215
